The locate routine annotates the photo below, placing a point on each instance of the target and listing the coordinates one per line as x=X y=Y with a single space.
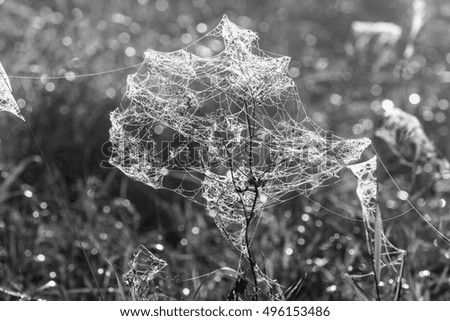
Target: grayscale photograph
x=212 y=150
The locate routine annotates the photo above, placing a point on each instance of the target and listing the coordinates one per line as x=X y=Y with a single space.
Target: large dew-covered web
x=233 y=119
x=221 y=123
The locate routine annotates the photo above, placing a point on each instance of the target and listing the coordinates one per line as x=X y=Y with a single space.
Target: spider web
x=221 y=123
x=7 y=101
x=145 y=265
x=144 y=268
x=382 y=250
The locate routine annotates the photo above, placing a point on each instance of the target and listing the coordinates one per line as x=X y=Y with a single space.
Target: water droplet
x=130 y=51
x=414 y=99
x=331 y=288
x=376 y=90
x=424 y=273
x=50 y=87
x=402 y=195
x=387 y=105
x=195 y=230
x=336 y=99
x=28 y=193
x=161 y=5
x=202 y=27
x=263 y=198
x=289 y=251
x=40 y=257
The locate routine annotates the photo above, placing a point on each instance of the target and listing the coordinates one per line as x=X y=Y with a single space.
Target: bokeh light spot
x=414 y=99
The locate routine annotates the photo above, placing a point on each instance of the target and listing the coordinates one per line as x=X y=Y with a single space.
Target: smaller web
x=380 y=247
x=7 y=101
x=144 y=268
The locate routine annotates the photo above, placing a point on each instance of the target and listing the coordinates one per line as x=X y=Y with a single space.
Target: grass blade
x=357 y=288
x=399 y=278
x=123 y=297
x=377 y=244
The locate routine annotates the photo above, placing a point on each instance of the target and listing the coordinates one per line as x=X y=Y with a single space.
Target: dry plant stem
x=251 y=260
x=372 y=260
x=376 y=254
x=370 y=248
x=370 y=243
x=250 y=135
x=249 y=218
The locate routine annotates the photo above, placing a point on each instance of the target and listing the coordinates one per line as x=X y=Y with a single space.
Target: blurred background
x=346 y=75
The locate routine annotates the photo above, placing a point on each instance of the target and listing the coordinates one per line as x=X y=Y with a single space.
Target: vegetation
x=346 y=78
